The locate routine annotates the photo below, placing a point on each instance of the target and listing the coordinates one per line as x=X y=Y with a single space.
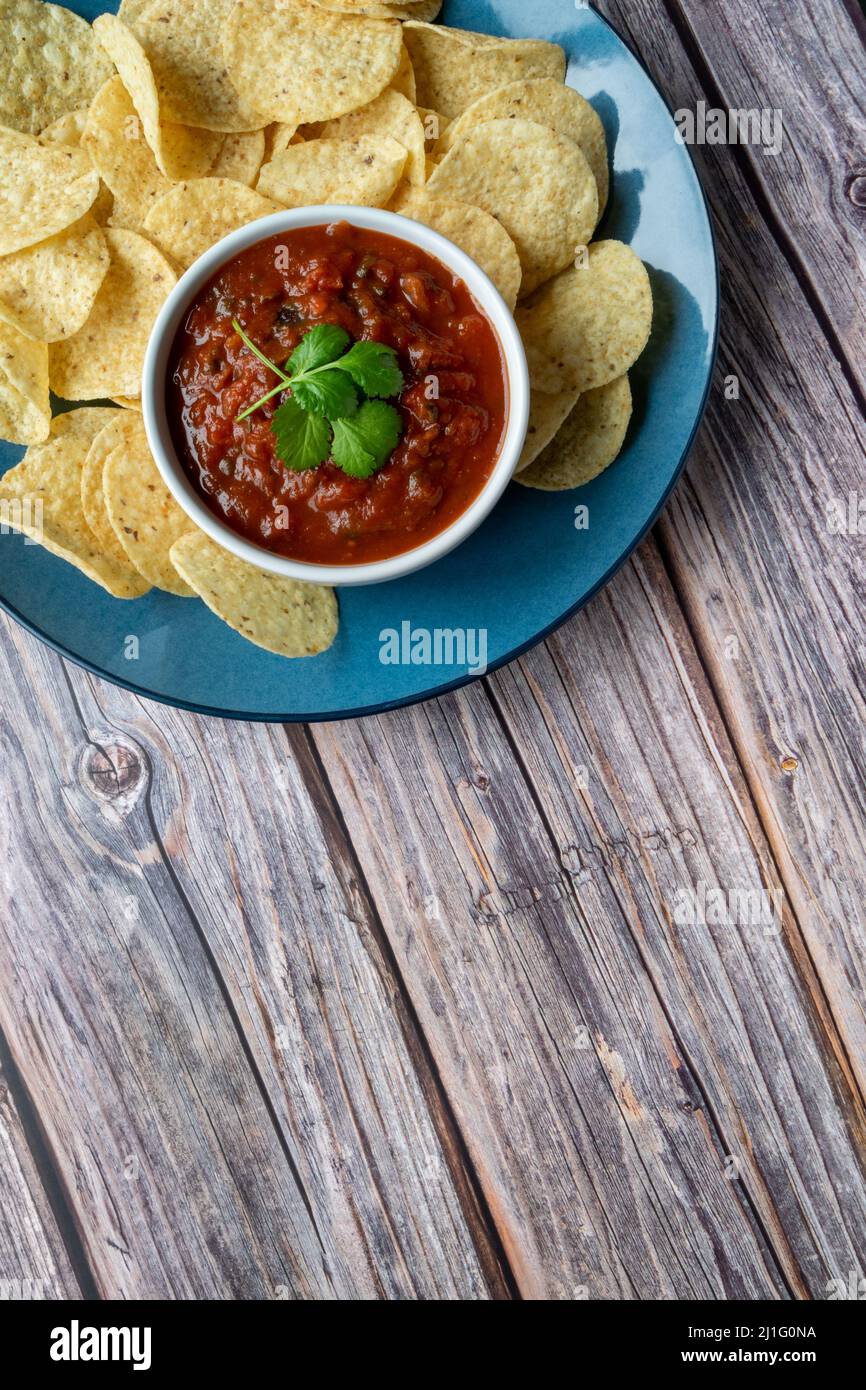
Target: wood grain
x=806 y=61
x=774 y=596
x=34 y=1263
x=229 y=1086
x=259 y=858
x=122 y=1036
x=590 y=1045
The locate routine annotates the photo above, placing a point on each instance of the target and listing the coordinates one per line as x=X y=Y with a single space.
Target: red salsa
x=453 y=404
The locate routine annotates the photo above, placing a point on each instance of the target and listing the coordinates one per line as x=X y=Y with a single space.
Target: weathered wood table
x=412 y=1007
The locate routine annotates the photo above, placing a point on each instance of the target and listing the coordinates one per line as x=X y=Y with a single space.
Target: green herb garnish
x=363 y=443
x=303 y=439
x=325 y=417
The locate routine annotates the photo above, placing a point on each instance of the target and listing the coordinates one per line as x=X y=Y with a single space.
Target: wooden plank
x=262 y=863
x=603 y=1062
x=220 y=1015
x=34 y=1263
x=806 y=60
x=774 y=595
x=120 y=1031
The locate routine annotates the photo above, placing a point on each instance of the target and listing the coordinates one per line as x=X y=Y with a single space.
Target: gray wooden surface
x=405 y=1008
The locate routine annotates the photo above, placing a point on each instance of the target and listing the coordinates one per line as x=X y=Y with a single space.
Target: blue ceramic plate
x=528 y=568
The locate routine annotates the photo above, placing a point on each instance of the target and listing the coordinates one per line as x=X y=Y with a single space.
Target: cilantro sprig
x=337 y=407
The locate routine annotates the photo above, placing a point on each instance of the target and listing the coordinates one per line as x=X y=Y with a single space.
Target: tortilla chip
x=25 y=411
x=145 y=517
x=473 y=230
x=588 y=442
x=43 y=189
x=547 y=413
x=128 y=402
x=114 y=434
x=589 y=325
x=180 y=152
x=284 y=616
x=362 y=172
x=240 y=158
x=67 y=129
x=131 y=9
x=192 y=217
x=549 y=103
x=474 y=39
x=425 y=10
x=390 y=114
x=536 y=183
x=50 y=64
x=114 y=140
x=106 y=356
x=434 y=125
x=49 y=478
x=403 y=80
x=47 y=291
x=300 y=64
x=280 y=136
x=183 y=43
x=454 y=67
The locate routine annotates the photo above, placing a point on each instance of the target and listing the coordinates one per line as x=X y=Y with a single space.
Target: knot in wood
x=857 y=189
x=113 y=771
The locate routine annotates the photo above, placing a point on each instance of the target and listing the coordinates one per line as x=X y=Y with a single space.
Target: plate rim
x=460 y=682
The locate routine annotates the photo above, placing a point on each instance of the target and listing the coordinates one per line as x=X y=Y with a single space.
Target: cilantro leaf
x=303 y=440
x=324 y=398
x=318 y=347
x=354 y=460
x=373 y=367
x=325 y=393
x=363 y=444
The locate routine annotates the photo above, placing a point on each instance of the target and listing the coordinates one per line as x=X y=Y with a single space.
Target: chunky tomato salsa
x=452 y=404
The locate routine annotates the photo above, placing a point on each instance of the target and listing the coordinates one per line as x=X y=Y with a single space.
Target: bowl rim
x=155 y=415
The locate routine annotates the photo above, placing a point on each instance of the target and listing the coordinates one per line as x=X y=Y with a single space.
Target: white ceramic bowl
x=153 y=393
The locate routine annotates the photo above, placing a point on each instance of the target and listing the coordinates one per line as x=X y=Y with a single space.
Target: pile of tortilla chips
x=129 y=147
